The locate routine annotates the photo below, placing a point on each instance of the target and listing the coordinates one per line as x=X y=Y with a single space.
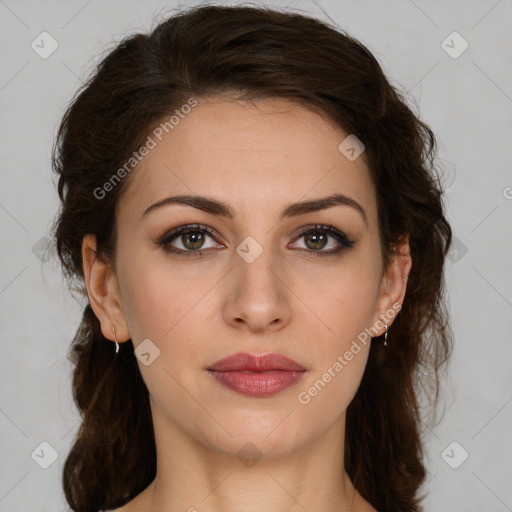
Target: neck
x=195 y=478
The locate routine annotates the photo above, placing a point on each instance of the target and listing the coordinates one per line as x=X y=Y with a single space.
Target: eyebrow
x=215 y=207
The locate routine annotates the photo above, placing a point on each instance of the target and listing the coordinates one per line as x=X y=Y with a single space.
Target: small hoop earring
x=115 y=339
x=386 y=334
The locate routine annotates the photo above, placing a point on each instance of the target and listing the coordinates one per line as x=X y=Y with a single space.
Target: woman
x=253 y=213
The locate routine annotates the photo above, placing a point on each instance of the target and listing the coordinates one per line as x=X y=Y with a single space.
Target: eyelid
x=336 y=233
x=168 y=236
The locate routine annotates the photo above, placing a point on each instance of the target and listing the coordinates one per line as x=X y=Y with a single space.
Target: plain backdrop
x=464 y=94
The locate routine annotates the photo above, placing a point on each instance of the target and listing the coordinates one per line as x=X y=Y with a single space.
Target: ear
x=394 y=283
x=103 y=291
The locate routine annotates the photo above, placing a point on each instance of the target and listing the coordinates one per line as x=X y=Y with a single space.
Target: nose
x=257 y=295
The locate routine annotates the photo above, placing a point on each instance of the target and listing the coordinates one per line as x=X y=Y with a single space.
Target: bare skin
x=199 y=309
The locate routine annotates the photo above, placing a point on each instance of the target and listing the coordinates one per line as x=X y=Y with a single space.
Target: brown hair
x=252 y=53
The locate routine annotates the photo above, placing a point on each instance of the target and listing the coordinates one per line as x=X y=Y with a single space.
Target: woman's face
x=254 y=282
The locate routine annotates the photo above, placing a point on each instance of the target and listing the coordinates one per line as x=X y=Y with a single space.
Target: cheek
x=346 y=307
x=144 y=311
x=352 y=310
x=173 y=310
x=153 y=301
x=339 y=366
x=347 y=304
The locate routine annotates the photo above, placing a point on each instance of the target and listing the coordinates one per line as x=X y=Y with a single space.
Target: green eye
x=317 y=238
x=192 y=238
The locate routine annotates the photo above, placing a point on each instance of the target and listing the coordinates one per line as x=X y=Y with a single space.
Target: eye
x=316 y=239
x=191 y=238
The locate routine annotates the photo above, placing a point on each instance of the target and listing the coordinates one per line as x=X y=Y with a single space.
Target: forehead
x=251 y=156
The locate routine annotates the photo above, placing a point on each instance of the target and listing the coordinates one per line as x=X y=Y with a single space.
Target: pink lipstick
x=257 y=376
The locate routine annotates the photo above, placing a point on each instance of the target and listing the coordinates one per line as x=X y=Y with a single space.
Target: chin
x=257 y=435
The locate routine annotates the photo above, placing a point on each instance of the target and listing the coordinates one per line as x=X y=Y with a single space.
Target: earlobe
x=394 y=282
x=103 y=291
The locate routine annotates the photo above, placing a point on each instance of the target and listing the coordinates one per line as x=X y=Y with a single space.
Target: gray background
x=467 y=101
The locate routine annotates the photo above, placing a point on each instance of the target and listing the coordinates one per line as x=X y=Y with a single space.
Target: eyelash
x=167 y=238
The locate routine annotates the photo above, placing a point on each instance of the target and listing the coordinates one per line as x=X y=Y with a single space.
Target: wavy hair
x=252 y=53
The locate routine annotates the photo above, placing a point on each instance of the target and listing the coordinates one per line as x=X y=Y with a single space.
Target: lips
x=248 y=362
x=257 y=376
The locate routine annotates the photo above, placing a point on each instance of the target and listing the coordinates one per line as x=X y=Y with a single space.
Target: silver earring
x=115 y=339
x=386 y=334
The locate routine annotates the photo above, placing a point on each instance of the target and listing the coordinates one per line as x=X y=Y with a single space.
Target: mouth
x=257 y=376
